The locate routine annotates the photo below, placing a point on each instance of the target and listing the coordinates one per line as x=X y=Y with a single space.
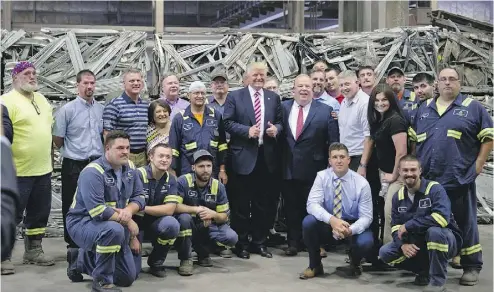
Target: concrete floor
x=257 y=274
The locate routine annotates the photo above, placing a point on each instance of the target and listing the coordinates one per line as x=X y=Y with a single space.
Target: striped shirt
x=122 y=113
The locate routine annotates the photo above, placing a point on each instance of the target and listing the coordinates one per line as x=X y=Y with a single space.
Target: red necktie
x=300 y=121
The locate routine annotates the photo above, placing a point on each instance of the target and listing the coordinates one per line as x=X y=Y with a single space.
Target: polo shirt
x=122 y=113
x=31 y=122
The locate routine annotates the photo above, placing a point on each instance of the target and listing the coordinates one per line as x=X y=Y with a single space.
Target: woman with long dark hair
x=388 y=129
x=159 y=123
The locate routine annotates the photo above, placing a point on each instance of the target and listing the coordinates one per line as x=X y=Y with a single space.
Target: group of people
x=389 y=171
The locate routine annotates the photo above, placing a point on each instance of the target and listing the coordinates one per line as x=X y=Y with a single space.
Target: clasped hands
x=409 y=250
x=341 y=228
x=207 y=215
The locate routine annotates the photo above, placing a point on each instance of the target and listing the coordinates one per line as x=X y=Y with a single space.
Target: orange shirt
x=199 y=118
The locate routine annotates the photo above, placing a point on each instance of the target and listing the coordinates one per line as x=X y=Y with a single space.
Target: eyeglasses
x=35 y=106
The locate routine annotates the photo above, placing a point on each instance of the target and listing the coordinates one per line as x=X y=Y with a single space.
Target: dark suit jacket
x=8 y=130
x=238 y=118
x=10 y=201
x=304 y=157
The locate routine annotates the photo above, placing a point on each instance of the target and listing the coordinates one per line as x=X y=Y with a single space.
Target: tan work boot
x=33 y=253
x=311 y=273
x=7 y=267
x=186 y=268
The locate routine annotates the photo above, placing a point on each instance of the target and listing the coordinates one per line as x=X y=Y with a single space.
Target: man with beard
x=198 y=127
x=406 y=98
x=453 y=135
x=367 y=79
x=170 y=89
x=333 y=85
x=31 y=116
x=203 y=213
x=77 y=132
x=309 y=132
x=156 y=222
x=253 y=119
x=99 y=221
x=129 y=113
x=423 y=86
x=425 y=234
x=319 y=91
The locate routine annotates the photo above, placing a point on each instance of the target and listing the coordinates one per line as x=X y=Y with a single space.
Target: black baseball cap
x=395 y=69
x=202 y=154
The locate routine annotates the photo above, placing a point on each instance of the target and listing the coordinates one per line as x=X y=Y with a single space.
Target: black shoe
x=263 y=251
x=355 y=270
x=421 y=280
x=72 y=273
x=242 y=253
x=291 y=251
x=159 y=272
x=102 y=287
x=275 y=239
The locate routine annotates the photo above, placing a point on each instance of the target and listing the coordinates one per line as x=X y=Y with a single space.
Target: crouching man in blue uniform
x=100 y=221
x=156 y=222
x=203 y=214
x=339 y=208
x=425 y=235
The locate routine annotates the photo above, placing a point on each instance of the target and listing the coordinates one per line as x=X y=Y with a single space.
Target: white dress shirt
x=356 y=199
x=293 y=116
x=353 y=123
x=261 y=99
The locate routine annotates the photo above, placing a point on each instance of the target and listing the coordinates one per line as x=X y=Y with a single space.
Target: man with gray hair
x=170 y=91
x=198 y=127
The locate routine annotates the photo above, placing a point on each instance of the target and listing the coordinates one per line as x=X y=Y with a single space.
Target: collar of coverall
x=458 y=100
x=423 y=186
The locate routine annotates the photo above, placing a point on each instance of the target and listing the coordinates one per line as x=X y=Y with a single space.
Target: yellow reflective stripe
x=72 y=206
x=455 y=134
x=126 y=202
x=471 y=250
x=97 y=166
x=439 y=219
x=144 y=175
x=184 y=233
x=429 y=101
x=412 y=96
x=486 y=133
x=466 y=102
x=173 y=199
x=166 y=241
x=131 y=164
x=223 y=245
x=167 y=177
x=437 y=246
x=97 y=210
x=414 y=106
x=214 y=187
x=111 y=204
x=213 y=144
x=175 y=152
x=401 y=194
x=397 y=261
x=140 y=213
x=35 y=231
x=223 y=147
x=412 y=134
x=421 y=137
x=211 y=114
x=188 y=177
x=191 y=146
x=107 y=249
x=222 y=208
x=395 y=228
x=429 y=186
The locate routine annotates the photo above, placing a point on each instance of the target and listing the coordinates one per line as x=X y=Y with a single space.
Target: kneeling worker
x=339 y=207
x=156 y=221
x=425 y=235
x=100 y=221
x=203 y=214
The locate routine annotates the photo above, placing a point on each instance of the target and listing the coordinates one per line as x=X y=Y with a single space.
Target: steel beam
x=6 y=15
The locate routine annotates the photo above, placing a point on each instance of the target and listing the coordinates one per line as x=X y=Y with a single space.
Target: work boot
x=205 y=262
x=311 y=273
x=102 y=287
x=7 y=267
x=421 y=280
x=435 y=289
x=33 y=253
x=72 y=273
x=159 y=272
x=470 y=277
x=186 y=268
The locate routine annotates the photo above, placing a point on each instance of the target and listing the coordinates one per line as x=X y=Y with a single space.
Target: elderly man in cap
x=219 y=87
x=406 y=98
x=198 y=127
x=31 y=116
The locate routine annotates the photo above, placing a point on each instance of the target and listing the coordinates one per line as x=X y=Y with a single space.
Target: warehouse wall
x=479 y=10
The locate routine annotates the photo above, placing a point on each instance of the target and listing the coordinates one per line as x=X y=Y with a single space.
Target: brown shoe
x=322 y=252
x=311 y=273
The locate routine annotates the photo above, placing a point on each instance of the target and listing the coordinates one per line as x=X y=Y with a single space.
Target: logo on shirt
x=424 y=115
x=192 y=194
x=460 y=112
x=408 y=105
x=110 y=181
x=165 y=188
x=211 y=123
x=187 y=126
x=425 y=203
x=402 y=209
x=210 y=198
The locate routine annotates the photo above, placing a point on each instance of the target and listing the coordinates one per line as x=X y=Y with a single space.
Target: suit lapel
x=310 y=116
x=245 y=96
x=287 y=107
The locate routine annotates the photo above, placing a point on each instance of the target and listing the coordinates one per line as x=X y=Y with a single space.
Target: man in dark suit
x=253 y=118
x=309 y=129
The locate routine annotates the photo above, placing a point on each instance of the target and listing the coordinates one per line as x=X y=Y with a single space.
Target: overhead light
x=264 y=20
x=329 y=27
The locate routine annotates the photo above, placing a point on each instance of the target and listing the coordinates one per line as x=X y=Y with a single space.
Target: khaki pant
x=392 y=190
x=139 y=159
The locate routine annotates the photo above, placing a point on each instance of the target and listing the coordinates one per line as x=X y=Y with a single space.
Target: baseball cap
x=202 y=153
x=394 y=69
x=219 y=72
